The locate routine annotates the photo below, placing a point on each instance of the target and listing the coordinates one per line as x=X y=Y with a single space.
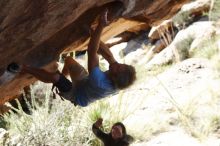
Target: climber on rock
x=87 y=87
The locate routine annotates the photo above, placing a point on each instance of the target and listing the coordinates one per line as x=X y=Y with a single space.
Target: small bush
x=207 y=49
x=182 y=19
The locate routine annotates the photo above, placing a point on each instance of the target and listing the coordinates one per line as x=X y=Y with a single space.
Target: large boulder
x=37 y=32
x=192 y=12
x=184 y=42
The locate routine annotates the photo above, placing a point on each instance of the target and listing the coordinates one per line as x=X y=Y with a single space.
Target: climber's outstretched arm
x=106 y=53
x=93 y=46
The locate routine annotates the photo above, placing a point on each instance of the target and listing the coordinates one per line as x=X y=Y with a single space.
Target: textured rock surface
x=185 y=41
x=157 y=31
x=36 y=32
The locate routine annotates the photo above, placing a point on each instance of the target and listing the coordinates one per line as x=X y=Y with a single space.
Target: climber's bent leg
x=64 y=86
x=41 y=74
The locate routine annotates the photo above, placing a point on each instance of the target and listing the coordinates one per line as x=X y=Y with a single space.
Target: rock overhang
x=36 y=32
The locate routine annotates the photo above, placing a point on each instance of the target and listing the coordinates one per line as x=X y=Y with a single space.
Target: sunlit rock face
x=36 y=32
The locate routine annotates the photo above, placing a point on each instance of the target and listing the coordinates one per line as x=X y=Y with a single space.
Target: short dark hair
x=122 y=127
x=125 y=78
x=127 y=138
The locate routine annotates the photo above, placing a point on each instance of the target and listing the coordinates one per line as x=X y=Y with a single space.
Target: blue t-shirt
x=96 y=86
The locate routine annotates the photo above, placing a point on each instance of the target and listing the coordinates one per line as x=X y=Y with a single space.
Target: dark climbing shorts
x=66 y=89
x=63 y=84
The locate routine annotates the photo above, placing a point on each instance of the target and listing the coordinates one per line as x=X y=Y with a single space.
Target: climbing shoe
x=13 y=67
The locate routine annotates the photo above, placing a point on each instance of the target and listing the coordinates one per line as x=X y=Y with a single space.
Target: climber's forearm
x=95 y=39
x=106 y=53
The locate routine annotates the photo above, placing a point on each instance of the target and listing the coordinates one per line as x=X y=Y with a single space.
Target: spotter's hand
x=98 y=123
